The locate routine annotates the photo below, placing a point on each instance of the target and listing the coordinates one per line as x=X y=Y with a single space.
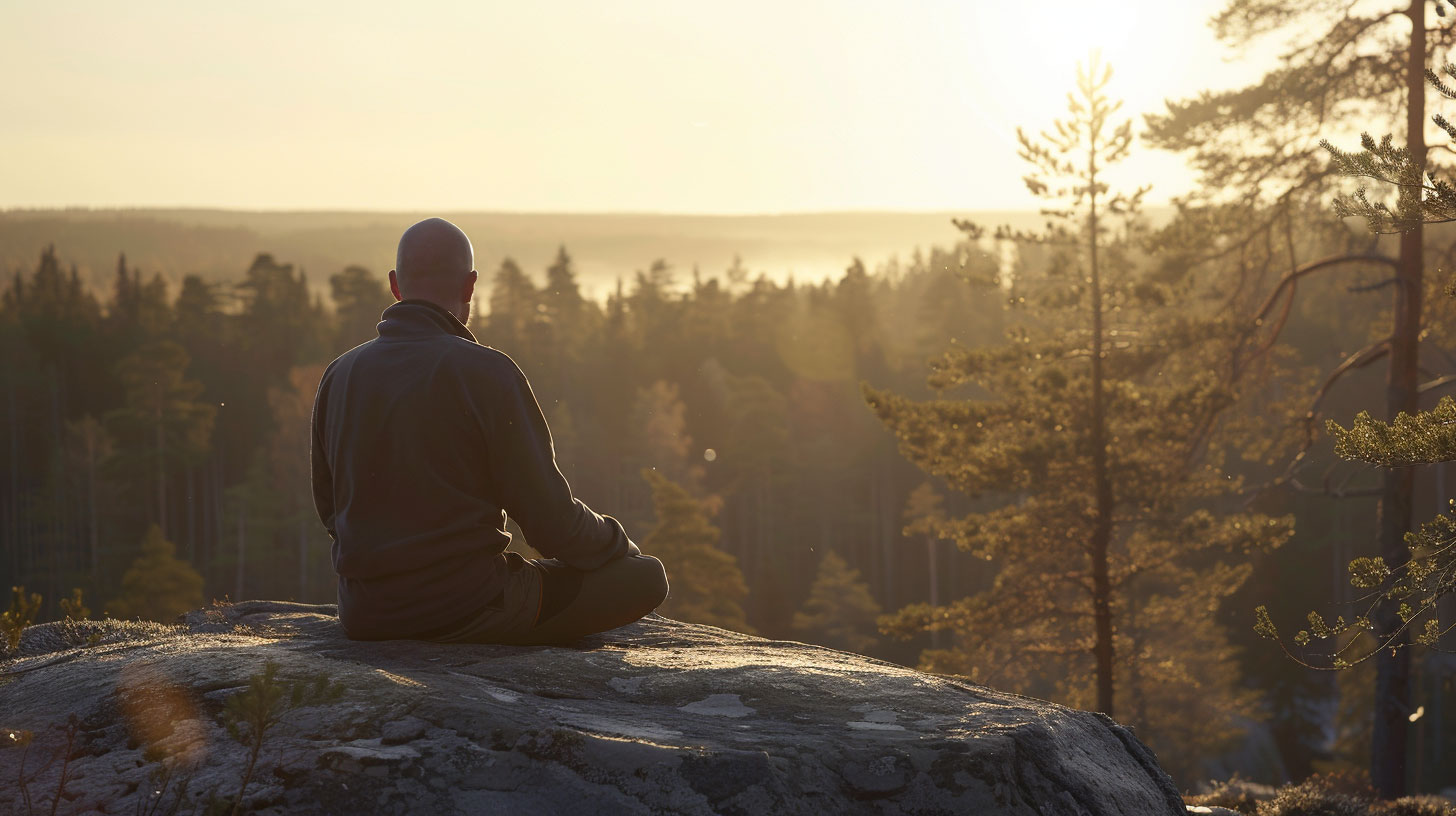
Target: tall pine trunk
x=886 y=510
x=933 y=573
x=1393 y=668
x=191 y=515
x=94 y=523
x=301 y=527
x=54 y=506
x=161 y=467
x=242 y=548
x=216 y=530
x=14 y=508
x=1102 y=650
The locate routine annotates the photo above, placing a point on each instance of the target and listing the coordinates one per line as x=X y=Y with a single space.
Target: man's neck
x=424 y=301
x=458 y=326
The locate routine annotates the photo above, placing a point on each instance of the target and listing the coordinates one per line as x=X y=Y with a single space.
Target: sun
x=1036 y=45
x=1024 y=56
x=1106 y=28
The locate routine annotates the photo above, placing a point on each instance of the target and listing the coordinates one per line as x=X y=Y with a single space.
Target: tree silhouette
x=840 y=612
x=359 y=298
x=158 y=585
x=162 y=422
x=707 y=586
x=659 y=419
x=513 y=302
x=1093 y=432
x=294 y=516
x=1366 y=61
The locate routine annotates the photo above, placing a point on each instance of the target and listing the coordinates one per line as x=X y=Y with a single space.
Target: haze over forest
x=219 y=244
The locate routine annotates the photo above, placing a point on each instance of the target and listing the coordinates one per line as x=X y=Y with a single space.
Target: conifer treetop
x=1422 y=197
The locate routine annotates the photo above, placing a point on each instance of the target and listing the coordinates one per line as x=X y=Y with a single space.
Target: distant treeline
x=215 y=244
x=189 y=408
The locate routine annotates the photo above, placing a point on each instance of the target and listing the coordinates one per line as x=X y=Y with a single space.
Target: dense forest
x=1068 y=462
x=720 y=418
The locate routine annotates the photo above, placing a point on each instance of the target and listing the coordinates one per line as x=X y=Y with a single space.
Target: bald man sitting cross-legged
x=423 y=441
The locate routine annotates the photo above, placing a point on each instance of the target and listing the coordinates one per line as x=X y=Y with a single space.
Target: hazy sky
x=672 y=106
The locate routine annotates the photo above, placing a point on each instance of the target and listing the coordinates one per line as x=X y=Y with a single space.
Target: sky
x=556 y=106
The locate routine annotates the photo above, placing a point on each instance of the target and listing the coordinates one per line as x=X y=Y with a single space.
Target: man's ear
x=467 y=290
x=394 y=285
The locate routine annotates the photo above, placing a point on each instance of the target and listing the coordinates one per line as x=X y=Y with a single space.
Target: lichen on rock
x=656 y=717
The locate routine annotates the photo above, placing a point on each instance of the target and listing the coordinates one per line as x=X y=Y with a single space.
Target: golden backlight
x=567 y=106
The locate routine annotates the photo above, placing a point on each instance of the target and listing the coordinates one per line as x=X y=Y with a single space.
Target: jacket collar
x=414 y=317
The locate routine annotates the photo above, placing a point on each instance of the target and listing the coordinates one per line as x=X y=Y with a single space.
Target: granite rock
x=656 y=717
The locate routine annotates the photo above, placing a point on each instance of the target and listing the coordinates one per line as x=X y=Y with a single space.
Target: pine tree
x=154 y=310
x=60 y=334
x=656 y=310
x=123 y=313
x=513 y=301
x=566 y=320
x=280 y=323
x=359 y=298
x=1096 y=437
x=163 y=423
x=1416 y=584
x=59 y=317
x=840 y=612
x=567 y=310
x=854 y=299
x=298 y=530
x=1368 y=59
x=200 y=329
x=708 y=320
x=924 y=515
x=661 y=438
x=756 y=456
x=706 y=583
x=251 y=527
x=1405 y=592
x=158 y=585
x=612 y=365
x=562 y=294
x=87 y=447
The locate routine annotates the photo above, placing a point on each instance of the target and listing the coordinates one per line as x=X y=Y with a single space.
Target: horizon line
x=83 y=208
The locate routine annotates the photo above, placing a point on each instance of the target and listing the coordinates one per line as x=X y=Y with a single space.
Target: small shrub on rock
x=1314 y=799
x=22 y=611
x=1419 y=806
x=249 y=715
x=1330 y=794
x=74 y=607
x=1234 y=794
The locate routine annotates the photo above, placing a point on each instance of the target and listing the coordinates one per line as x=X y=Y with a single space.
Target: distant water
x=219 y=244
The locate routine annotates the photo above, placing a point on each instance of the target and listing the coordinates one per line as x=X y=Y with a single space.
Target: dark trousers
x=616 y=594
x=613 y=595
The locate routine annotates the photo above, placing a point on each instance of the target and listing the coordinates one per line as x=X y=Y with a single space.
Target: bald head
x=435 y=262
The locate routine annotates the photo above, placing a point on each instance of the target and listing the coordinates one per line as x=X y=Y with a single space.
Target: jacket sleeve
x=318 y=464
x=523 y=466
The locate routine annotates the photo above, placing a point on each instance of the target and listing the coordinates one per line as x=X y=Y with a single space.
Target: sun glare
x=1035 y=67
x=887 y=106
x=1023 y=59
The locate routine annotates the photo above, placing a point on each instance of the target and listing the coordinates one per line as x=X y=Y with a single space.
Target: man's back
x=423 y=441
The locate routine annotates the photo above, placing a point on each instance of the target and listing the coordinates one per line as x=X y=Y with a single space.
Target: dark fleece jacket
x=423 y=441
